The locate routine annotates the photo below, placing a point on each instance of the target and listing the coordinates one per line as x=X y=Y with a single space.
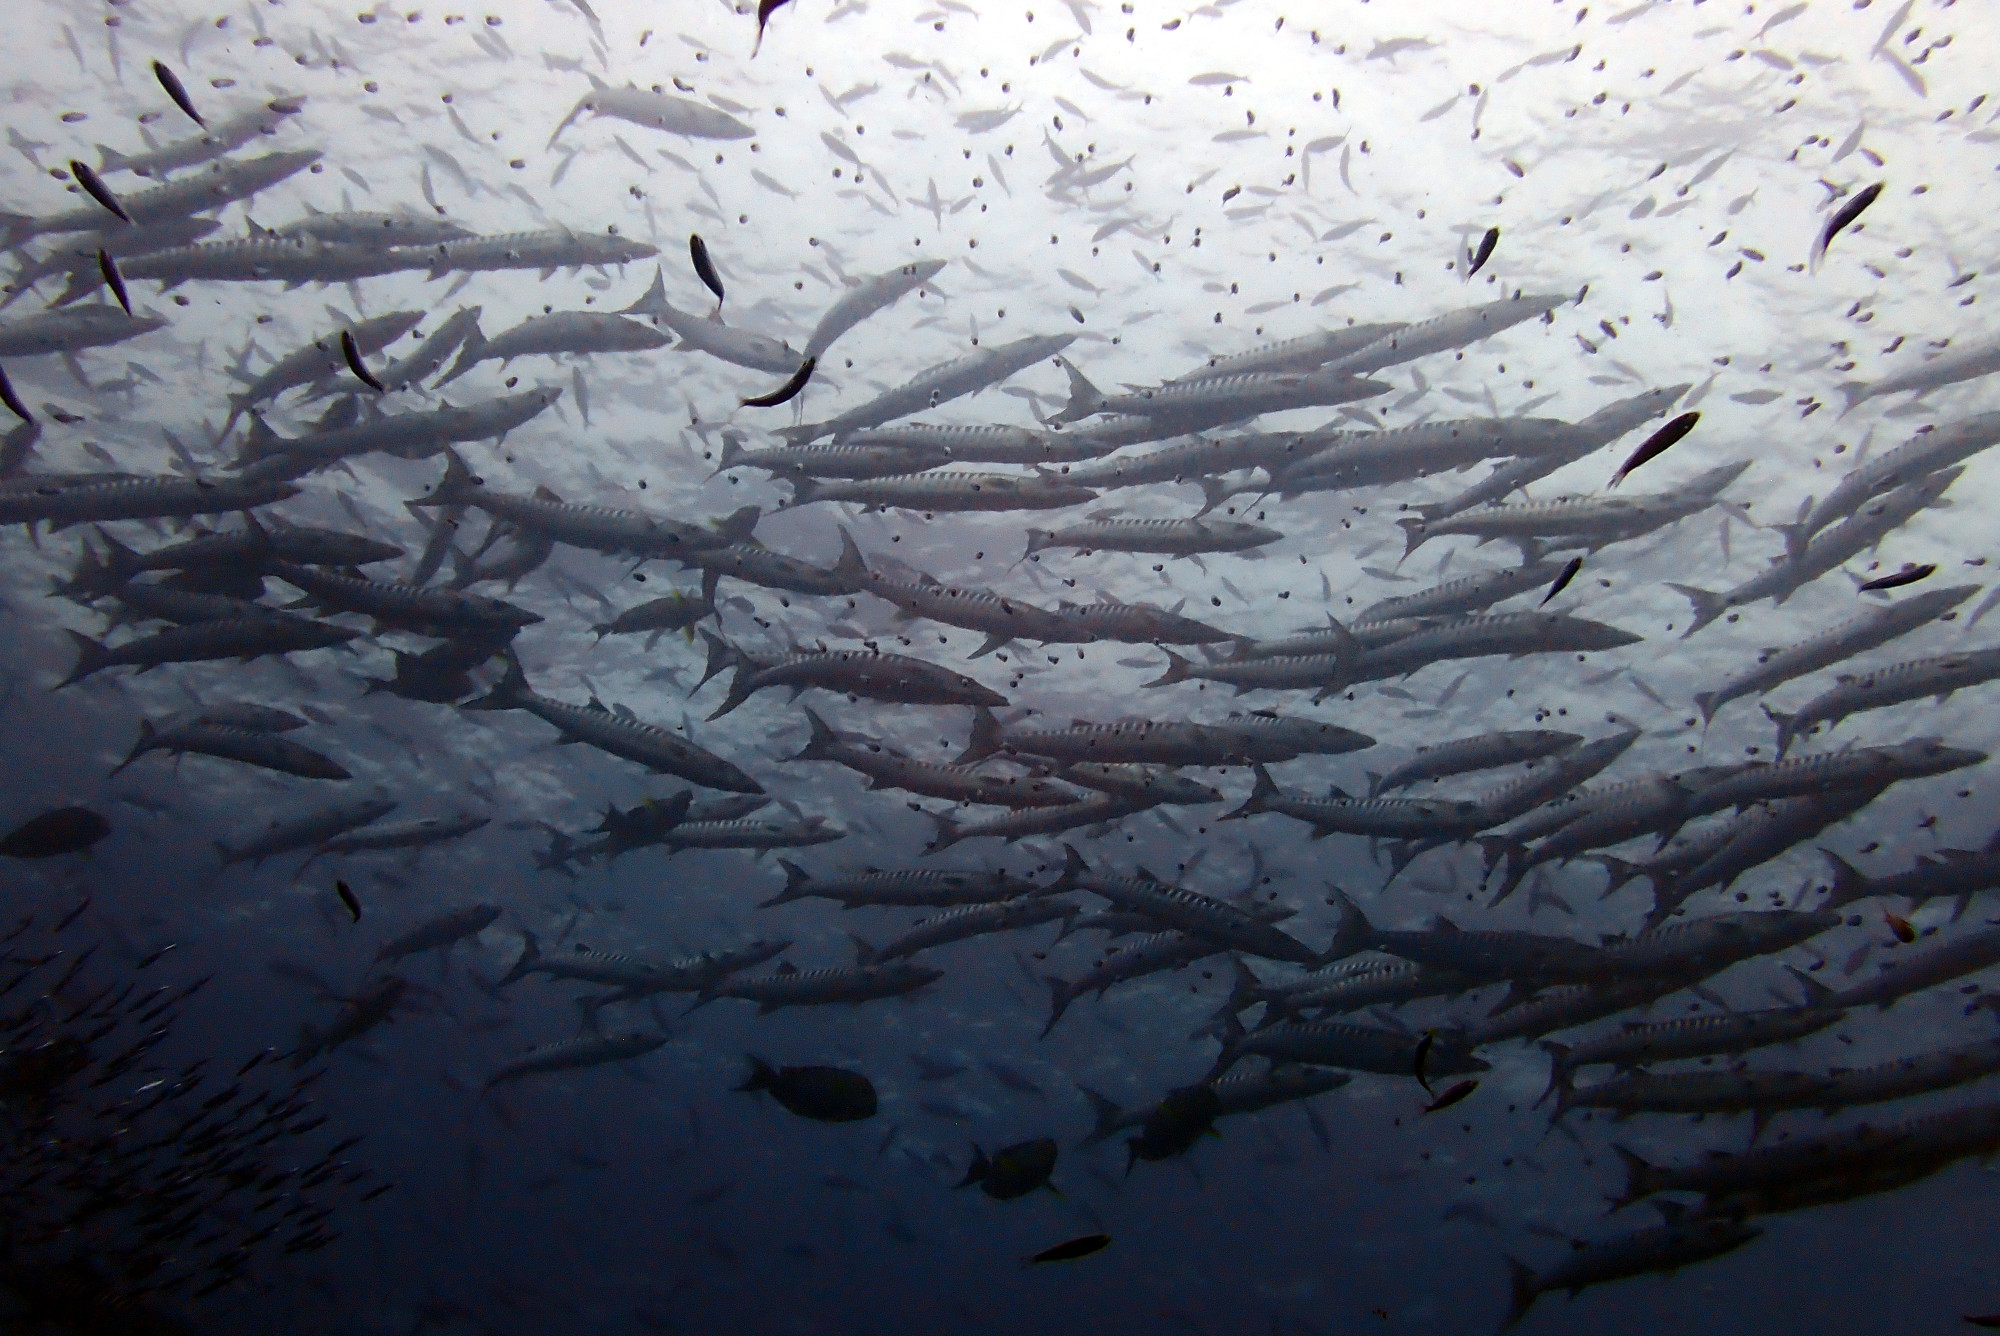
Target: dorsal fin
x=787 y=967
x=544 y=492
x=597 y=705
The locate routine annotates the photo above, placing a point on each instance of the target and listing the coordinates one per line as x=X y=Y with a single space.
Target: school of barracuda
x=1641 y=796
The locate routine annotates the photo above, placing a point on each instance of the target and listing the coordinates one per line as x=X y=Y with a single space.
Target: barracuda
x=1589 y=523
x=1153 y=954
x=1827 y=551
x=869 y=296
x=828 y=987
x=738 y=347
x=1239 y=1092
x=852 y=460
x=266 y=455
x=559 y=332
x=1237 y=740
x=1938 y=677
x=319 y=359
x=942 y=383
x=1191 y=912
x=1485 y=751
x=72 y=330
x=241 y=638
x=655 y=748
x=1873 y=628
x=1307 y=352
x=1177 y=538
x=218 y=185
x=168 y=496
x=1928 y=452
x=1346 y=459
x=218 y=138
x=946 y=491
x=1863 y=767
x=1360 y=1048
x=548 y=250
x=284 y=835
x=1338 y=814
x=887 y=677
x=887 y=768
x=965 y=922
x=906 y=887
x=1595 y=432
x=573 y=1055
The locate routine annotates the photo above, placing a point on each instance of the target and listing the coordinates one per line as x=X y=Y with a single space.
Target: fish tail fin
x=1230 y=1035
x=147 y=733
x=458 y=483
x=722 y=656
x=470 y=354
x=1817 y=993
x=1061 y=993
x=587 y=1008
x=1214 y=491
x=865 y=952
x=1854 y=393
x=1105 y=1115
x=1796 y=537
x=1708 y=705
x=1521 y=1295
x=1260 y=797
x=739 y=689
x=977 y=1170
x=1073 y=872
x=509 y=693
x=761 y=1074
x=947 y=831
x=1707 y=606
x=738 y=526
x=1639 y=1177
x=796 y=877
x=1619 y=872
x=985 y=739
x=819 y=747
x=1037 y=540
x=655 y=300
x=91 y=657
x=583 y=104
x=1084 y=397
x=1561 y=1074
x=1518 y=868
x=732 y=451
x=531 y=951
x=15 y=228
x=1789 y=728
x=1245 y=991
x=1177 y=671
x=1352 y=931
x=109 y=159
x=852 y=566
x=1414 y=534
x=1849 y=882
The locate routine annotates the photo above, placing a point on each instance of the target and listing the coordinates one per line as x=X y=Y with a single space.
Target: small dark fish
x=97 y=190
x=172 y=83
x=1424 y=1051
x=1485 y=251
x=66 y=830
x=789 y=390
x=1562 y=581
x=1014 y=1171
x=1839 y=222
x=113 y=279
x=1656 y=444
x=340 y=888
x=1451 y=1096
x=1909 y=575
x=352 y=352
x=1179 y=1120
x=13 y=400
x=1069 y=1252
x=1991 y=1321
x=824 y=1094
x=1899 y=925
x=765 y=8
x=704 y=267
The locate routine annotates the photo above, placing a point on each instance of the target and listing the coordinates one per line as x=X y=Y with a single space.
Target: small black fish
x=1014 y=1171
x=13 y=400
x=1175 y=1124
x=765 y=8
x=1839 y=222
x=1991 y=1321
x=787 y=392
x=1909 y=575
x=1485 y=251
x=352 y=352
x=1562 y=581
x=704 y=267
x=824 y=1094
x=341 y=889
x=172 y=83
x=109 y=268
x=1423 y=1052
x=66 y=830
x=97 y=190
x=1070 y=1251
x=1656 y=444
x=1451 y=1096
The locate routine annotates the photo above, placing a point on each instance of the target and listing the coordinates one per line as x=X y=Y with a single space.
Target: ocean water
x=1164 y=186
